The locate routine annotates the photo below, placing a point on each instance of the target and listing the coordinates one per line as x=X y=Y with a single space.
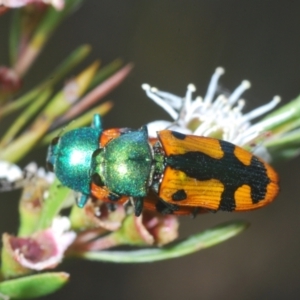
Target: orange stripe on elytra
x=243 y=198
x=273 y=176
x=173 y=145
x=242 y=155
x=206 y=193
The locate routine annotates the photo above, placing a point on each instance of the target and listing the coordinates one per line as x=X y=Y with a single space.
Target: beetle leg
x=114 y=197
x=195 y=212
x=82 y=200
x=111 y=207
x=166 y=208
x=138 y=205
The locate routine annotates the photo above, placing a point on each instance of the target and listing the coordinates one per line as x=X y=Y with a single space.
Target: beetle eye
x=97 y=152
x=49 y=166
x=97 y=179
x=55 y=141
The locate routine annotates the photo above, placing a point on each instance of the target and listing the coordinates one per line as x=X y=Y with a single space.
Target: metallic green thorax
x=125 y=163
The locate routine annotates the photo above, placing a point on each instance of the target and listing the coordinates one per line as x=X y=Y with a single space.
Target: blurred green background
x=173 y=43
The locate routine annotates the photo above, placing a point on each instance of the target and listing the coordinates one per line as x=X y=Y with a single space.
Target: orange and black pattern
x=213 y=174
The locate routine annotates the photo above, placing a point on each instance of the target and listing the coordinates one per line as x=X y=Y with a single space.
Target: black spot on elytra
x=179 y=195
x=229 y=170
x=178 y=135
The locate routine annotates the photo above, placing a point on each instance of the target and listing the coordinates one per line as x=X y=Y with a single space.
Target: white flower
x=32 y=170
x=11 y=176
x=57 y=4
x=44 y=249
x=218 y=116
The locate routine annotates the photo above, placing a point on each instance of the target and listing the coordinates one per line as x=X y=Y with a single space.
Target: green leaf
x=105 y=72
x=53 y=204
x=282 y=119
x=95 y=95
x=33 y=286
x=10 y=267
x=194 y=243
x=24 y=117
x=285 y=147
x=50 y=22
x=76 y=57
x=14 y=36
x=81 y=121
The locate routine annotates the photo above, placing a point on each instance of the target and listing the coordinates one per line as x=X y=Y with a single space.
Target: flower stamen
x=218 y=116
x=234 y=97
x=213 y=85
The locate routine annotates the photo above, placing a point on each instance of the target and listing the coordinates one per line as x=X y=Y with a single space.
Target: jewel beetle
x=174 y=173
